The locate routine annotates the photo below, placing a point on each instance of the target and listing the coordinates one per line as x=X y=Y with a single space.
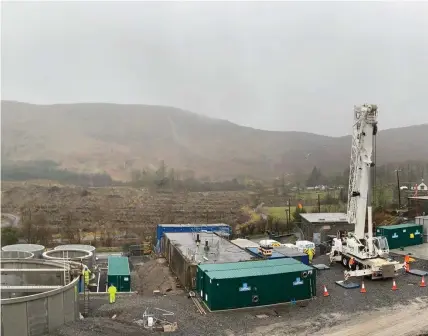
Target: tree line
x=410 y=172
x=165 y=178
x=50 y=170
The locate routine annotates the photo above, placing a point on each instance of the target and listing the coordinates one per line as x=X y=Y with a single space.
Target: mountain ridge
x=119 y=138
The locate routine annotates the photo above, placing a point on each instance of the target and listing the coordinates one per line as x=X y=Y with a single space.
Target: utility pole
x=289 y=210
x=319 y=204
x=398 y=188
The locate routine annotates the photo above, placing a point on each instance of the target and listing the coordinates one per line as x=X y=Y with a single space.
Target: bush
x=9 y=236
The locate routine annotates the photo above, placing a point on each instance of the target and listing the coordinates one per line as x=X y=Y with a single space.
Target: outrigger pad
x=347 y=285
x=417 y=272
x=321 y=267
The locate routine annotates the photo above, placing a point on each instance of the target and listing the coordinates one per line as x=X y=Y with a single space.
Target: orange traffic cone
x=394 y=285
x=363 y=288
x=422 y=284
x=325 y=291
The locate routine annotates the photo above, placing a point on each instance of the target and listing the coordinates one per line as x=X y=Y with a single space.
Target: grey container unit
x=423 y=220
x=293 y=253
x=37 y=250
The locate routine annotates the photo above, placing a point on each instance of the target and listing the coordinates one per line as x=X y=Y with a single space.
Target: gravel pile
x=156 y=275
x=321 y=312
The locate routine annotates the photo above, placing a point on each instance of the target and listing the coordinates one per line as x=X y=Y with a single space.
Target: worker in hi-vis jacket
x=86 y=275
x=112 y=293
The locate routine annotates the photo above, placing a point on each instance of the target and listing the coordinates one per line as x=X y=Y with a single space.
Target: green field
x=280 y=212
x=313 y=194
x=255 y=217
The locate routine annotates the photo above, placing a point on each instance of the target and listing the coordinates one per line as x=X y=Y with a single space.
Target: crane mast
x=364 y=130
x=360 y=252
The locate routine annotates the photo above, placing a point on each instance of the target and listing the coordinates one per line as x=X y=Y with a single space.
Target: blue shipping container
x=292 y=253
x=255 y=251
x=164 y=228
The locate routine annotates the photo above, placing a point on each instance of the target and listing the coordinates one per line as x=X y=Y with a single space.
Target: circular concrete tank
x=37 y=250
x=85 y=257
x=41 y=313
x=89 y=248
x=16 y=255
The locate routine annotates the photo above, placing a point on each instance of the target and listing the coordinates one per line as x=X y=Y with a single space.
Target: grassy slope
x=119 y=138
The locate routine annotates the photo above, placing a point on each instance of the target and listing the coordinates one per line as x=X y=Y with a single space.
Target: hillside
x=120 y=138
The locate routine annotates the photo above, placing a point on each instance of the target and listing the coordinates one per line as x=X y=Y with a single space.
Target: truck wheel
x=345 y=261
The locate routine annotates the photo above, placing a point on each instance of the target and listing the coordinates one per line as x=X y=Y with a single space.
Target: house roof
x=326 y=217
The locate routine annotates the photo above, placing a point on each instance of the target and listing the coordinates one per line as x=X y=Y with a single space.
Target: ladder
x=66 y=268
x=86 y=301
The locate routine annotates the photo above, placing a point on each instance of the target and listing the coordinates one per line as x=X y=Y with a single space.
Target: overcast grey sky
x=271 y=65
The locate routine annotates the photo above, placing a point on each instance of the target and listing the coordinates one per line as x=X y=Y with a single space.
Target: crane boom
x=362 y=253
x=364 y=130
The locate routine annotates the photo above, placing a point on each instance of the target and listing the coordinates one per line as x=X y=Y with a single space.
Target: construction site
x=199 y=281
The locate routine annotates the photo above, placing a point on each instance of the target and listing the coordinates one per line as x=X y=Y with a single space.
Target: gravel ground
x=321 y=312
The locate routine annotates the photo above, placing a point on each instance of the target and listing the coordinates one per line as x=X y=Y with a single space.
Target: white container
x=270 y=243
x=305 y=244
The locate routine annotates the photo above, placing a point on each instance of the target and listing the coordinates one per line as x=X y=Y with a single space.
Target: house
x=422 y=186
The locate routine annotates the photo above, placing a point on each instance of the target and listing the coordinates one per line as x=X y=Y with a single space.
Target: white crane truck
x=370 y=254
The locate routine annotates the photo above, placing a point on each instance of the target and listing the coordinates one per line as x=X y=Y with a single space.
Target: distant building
x=317 y=226
x=422 y=186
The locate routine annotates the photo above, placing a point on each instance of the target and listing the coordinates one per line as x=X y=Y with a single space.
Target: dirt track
x=408 y=321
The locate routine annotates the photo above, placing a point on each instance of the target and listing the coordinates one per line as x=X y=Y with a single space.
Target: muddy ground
x=322 y=316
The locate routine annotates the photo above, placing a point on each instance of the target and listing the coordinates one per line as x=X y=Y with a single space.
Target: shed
x=401 y=235
x=247 y=285
x=423 y=220
x=318 y=226
x=118 y=273
x=418 y=206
